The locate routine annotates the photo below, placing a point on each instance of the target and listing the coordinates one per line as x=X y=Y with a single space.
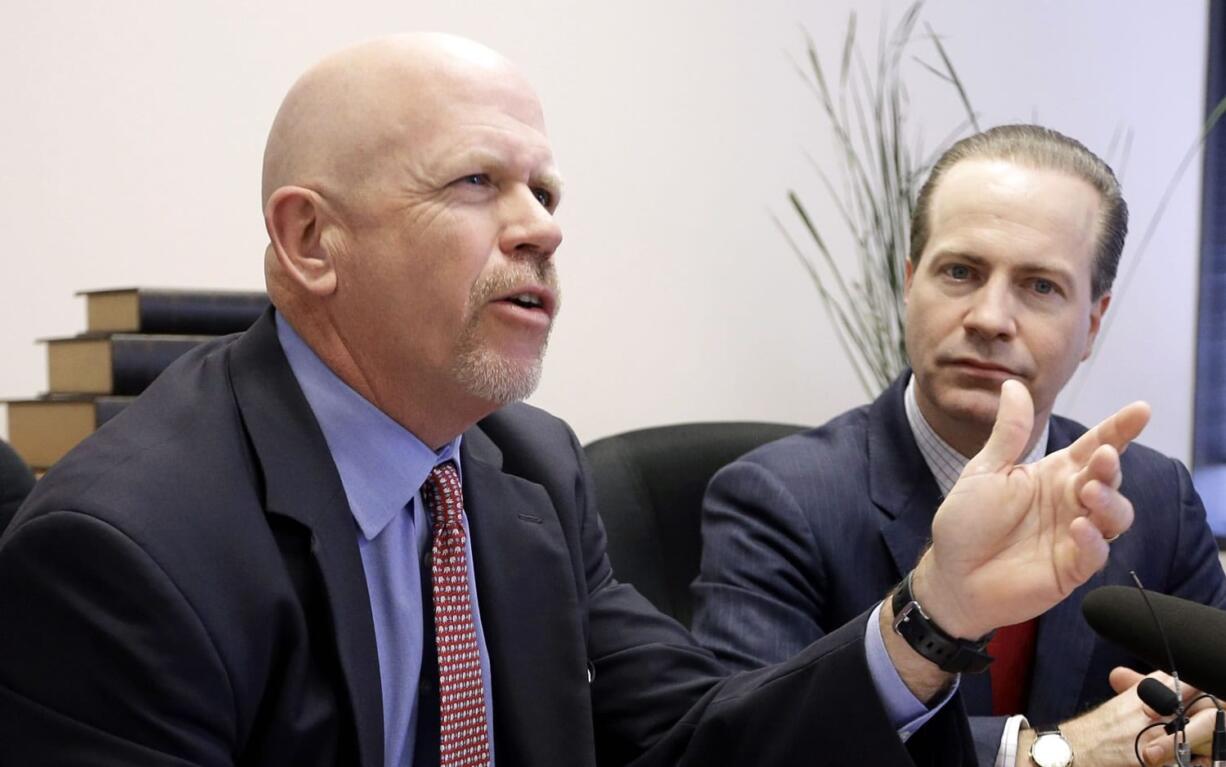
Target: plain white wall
x=132 y=133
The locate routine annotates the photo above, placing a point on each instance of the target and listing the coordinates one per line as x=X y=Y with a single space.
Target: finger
x=1163 y=677
x=1159 y=751
x=1122 y=678
x=1108 y=511
x=1168 y=683
x=1082 y=554
x=1116 y=430
x=1158 y=748
x=1200 y=730
x=1186 y=691
x=1103 y=466
x=1010 y=433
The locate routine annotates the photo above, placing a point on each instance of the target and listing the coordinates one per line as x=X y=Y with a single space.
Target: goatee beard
x=483 y=372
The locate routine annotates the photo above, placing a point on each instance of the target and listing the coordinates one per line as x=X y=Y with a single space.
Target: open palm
x=1009 y=542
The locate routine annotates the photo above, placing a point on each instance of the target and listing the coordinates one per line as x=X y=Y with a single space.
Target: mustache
x=513 y=277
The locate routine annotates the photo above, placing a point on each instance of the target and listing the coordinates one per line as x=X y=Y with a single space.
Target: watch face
x=1051 y=750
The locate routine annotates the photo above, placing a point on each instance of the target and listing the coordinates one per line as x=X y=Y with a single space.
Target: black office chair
x=16 y=482
x=649 y=486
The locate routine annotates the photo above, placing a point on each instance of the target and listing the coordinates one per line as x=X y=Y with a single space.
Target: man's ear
x=295 y=218
x=908 y=271
x=1097 y=309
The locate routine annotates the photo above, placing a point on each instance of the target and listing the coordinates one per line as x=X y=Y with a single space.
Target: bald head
x=409 y=192
x=347 y=114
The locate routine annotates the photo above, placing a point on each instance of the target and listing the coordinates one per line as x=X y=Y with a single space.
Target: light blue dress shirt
x=382 y=467
x=906 y=712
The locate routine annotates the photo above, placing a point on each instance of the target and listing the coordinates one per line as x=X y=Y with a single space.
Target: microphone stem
x=1219 y=739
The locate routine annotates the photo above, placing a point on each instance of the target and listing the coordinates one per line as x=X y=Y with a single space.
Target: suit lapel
x=529 y=613
x=301 y=483
x=900 y=484
x=902 y=487
x=1065 y=642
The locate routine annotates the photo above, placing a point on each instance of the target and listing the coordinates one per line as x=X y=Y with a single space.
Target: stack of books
x=132 y=335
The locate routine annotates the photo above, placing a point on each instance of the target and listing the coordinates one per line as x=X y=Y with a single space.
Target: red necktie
x=1012 y=648
x=463 y=727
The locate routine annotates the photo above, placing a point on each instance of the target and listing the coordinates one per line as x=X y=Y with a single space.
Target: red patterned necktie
x=463 y=729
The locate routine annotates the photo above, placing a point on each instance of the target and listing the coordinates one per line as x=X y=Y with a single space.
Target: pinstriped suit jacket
x=806 y=532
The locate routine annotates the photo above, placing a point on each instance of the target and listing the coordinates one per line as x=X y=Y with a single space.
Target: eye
x=958 y=271
x=1043 y=287
x=544 y=197
x=474 y=179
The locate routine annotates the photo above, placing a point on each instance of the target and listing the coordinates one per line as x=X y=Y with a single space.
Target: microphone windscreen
x=1196 y=633
x=1158 y=696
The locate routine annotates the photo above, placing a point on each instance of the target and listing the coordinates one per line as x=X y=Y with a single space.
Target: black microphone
x=1158 y=696
x=1195 y=632
x=1164 y=701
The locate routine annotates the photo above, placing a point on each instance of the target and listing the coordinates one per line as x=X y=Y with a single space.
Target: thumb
x=1014 y=419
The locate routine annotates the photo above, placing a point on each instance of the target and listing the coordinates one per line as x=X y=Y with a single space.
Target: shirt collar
x=382 y=465
x=946 y=463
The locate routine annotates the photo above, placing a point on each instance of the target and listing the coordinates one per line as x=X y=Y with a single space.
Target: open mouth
x=533 y=299
x=526 y=300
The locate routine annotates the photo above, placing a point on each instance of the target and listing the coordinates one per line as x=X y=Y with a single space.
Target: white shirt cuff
x=1007 y=755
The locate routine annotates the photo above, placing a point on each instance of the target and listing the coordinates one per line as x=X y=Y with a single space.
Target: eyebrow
x=959 y=255
x=547 y=177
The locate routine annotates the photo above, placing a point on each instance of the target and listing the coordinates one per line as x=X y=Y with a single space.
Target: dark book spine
x=137 y=360
x=199 y=312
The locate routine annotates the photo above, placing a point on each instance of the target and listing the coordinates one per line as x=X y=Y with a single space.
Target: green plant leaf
x=873 y=190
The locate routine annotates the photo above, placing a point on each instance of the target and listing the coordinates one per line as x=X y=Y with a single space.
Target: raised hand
x=1009 y=542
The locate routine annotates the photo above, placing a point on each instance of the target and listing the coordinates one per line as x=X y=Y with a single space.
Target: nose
x=530 y=231
x=991 y=313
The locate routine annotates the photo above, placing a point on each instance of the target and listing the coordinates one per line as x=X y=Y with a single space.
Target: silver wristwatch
x=1050 y=749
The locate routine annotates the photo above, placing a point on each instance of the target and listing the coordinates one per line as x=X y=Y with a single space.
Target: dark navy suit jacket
x=185 y=588
x=804 y=533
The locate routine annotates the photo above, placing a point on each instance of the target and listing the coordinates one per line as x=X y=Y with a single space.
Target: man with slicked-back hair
x=1015 y=242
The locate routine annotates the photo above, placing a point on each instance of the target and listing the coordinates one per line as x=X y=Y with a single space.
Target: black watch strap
x=929 y=640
